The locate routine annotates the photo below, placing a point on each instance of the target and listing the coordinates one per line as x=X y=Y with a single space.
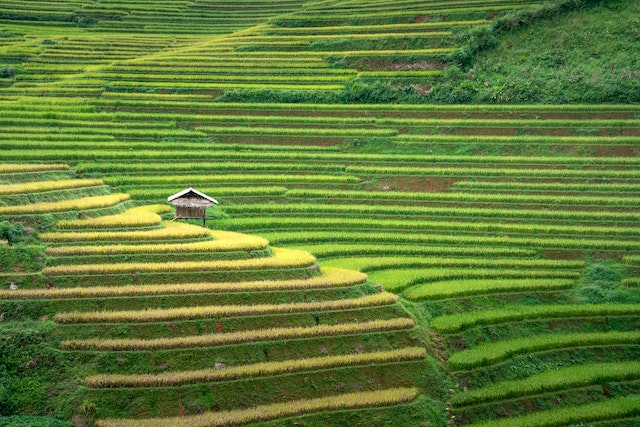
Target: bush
x=11 y=232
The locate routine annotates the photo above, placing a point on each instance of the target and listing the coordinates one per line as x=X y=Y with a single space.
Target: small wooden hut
x=191 y=204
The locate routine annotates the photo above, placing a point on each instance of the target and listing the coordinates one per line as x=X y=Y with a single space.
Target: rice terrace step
x=428 y=213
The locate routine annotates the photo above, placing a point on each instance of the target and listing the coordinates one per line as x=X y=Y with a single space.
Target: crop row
x=495 y=172
x=341 y=158
x=275 y=223
x=609 y=188
x=353 y=210
x=455 y=323
x=16 y=168
x=213 y=311
x=372 y=263
x=608 y=411
x=343 y=402
x=142 y=216
x=285 y=131
x=14 y=117
x=39 y=186
x=231 y=178
x=406 y=139
x=210 y=340
x=253 y=191
x=495 y=352
x=360 y=29
x=309 y=236
x=66 y=205
x=282 y=258
x=466 y=288
x=171 y=230
x=560 y=379
x=204 y=103
x=208 y=166
x=633 y=260
x=331 y=277
x=172 y=379
x=115 y=98
x=343 y=250
x=464 y=197
x=225 y=241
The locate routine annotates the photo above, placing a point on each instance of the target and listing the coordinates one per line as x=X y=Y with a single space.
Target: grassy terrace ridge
x=287 y=409
x=451 y=188
x=282 y=258
x=189 y=313
x=331 y=277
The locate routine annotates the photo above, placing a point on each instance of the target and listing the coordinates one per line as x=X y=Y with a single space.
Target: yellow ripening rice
x=39 y=186
x=173 y=379
x=15 y=168
x=282 y=258
x=292 y=408
x=331 y=277
x=66 y=205
x=225 y=241
x=141 y=216
x=171 y=230
x=228 y=338
x=219 y=311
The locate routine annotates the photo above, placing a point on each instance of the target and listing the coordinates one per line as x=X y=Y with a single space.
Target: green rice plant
x=633 y=260
x=379 y=398
x=172 y=379
x=465 y=197
x=231 y=178
x=141 y=216
x=17 y=168
x=608 y=410
x=360 y=29
x=495 y=172
x=345 y=250
x=275 y=223
x=171 y=230
x=491 y=353
x=331 y=277
x=282 y=258
x=225 y=241
x=392 y=74
x=631 y=282
x=547 y=186
x=229 y=338
x=454 y=323
x=310 y=236
x=253 y=191
x=38 y=186
x=201 y=166
x=416 y=139
x=582 y=375
x=208 y=312
x=299 y=131
x=84 y=203
x=367 y=263
x=465 y=288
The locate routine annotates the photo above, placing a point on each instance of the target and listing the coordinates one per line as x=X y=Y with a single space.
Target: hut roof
x=191 y=196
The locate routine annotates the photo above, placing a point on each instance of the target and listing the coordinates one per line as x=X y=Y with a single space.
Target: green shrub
x=11 y=232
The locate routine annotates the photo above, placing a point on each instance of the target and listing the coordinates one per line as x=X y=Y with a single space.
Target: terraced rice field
x=371 y=264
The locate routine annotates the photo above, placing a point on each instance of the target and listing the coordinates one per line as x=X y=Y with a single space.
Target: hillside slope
x=502 y=242
x=589 y=55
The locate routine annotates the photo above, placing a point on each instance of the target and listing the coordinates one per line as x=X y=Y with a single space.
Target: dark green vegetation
x=508 y=234
x=582 y=56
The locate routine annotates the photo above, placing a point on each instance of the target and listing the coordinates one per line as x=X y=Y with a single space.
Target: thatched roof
x=191 y=198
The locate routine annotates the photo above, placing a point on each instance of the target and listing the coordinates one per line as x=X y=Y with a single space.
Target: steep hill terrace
x=229 y=328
